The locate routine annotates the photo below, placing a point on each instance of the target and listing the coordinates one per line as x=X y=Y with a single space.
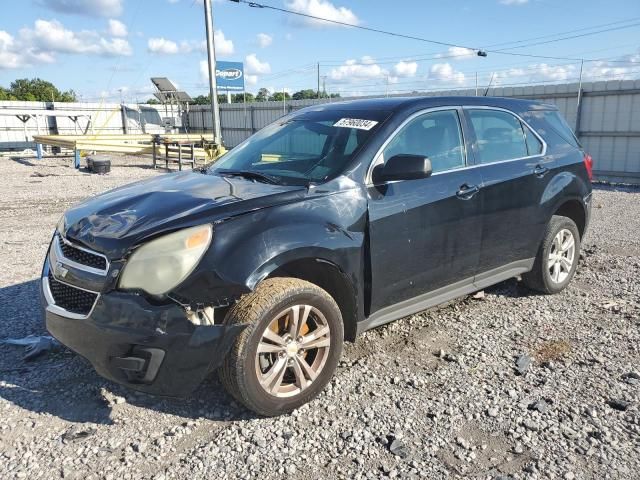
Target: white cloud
x=53 y=37
x=117 y=28
x=322 y=9
x=253 y=66
x=264 y=40
x=460 y=53
x=353 y=71
x=251 y=79
x=405 y=69
x=513 y=2
x=445 y=73
x=90 y=8
x=224 y=46
x=162 y=46
x=48 y=38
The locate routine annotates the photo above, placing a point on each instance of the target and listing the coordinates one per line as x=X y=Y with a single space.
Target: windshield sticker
x=358 y=123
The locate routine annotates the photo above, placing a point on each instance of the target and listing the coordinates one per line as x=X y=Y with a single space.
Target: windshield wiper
x=252 y=175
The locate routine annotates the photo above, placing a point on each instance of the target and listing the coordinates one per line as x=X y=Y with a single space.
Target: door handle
x=540 y=171
x=467 y=191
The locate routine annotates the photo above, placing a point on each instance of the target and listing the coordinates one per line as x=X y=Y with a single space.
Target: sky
x=108 y=49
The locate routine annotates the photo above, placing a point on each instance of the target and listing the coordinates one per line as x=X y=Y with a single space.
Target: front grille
x=70 y=298
x=81 y=256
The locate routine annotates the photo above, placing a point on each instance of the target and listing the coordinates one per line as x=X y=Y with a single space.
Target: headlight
x=161 y=264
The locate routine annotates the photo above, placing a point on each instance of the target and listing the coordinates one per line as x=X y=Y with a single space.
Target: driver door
x=425 y=234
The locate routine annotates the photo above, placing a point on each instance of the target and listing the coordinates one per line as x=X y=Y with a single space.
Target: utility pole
x=476 y=84
x=318 y=80
x=211 y=57
x=578 y=112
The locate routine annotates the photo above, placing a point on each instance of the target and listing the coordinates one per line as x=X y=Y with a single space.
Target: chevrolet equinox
x=333 y=220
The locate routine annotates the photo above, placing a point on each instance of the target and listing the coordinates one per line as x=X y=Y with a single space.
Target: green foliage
x=5 y=94
x=305 y=94
x=153 y=101
x=36 y=90
x=263 y=95
x=278 y=96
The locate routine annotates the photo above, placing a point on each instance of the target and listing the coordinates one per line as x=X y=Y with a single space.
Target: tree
x=38 y=90
x=305 y=94
x=263 y=95
x=153 y=101
x=278 y=97
x=5 y=94
x=240 y=98
x=201 y=100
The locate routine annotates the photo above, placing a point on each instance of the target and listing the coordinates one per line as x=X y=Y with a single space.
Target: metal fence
x=607 y=120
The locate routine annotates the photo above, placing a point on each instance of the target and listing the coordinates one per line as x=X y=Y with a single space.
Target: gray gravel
x=436 y=395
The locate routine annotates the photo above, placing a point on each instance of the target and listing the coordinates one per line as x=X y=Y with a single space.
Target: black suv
x=333 y=220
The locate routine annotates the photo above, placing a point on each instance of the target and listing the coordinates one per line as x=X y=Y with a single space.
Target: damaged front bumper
x=151 y=348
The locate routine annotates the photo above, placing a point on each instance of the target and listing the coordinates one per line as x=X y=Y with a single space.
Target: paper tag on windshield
x=358 y=123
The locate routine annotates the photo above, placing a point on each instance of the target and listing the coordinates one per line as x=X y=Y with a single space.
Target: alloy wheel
x=561 y=256
x=293 y=350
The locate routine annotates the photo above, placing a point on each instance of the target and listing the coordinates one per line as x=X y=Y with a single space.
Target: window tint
x=499 y=135
x=534 y=146
x=558 y=124
x=435 y=135
x=300 y=142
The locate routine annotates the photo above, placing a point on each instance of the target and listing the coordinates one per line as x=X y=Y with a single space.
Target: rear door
x=515 y=173
x=424 y=234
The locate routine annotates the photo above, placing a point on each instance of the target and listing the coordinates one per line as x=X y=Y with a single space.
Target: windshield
x=312 y=147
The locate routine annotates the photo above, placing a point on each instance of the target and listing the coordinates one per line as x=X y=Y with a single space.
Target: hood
x=115 y=221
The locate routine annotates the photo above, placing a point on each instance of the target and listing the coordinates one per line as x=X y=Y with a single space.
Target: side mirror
x=403 y=167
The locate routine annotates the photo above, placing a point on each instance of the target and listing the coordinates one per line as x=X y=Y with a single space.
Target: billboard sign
x=230 y=76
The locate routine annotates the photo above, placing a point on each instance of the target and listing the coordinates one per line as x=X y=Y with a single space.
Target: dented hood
x=115 y=221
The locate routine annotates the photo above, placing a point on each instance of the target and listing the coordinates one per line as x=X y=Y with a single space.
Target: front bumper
x=151 y=348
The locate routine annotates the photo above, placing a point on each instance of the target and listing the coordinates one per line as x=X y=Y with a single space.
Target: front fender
x=247 y=248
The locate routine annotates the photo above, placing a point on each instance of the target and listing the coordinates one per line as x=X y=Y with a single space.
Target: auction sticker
x=358 y=123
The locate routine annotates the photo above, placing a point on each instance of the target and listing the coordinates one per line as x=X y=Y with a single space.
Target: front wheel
x=290 y=348
x=557 y=257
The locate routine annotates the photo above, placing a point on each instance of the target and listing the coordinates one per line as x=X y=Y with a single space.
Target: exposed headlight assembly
x=162 y=264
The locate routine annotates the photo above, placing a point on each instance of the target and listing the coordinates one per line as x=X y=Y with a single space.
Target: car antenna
x=489 y=86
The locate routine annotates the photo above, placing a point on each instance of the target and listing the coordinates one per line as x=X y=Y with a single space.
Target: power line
x=421 y=39
x=346 y=24
x=569 y=37
x=433 y=55
x=502 y=44
x=614 y=76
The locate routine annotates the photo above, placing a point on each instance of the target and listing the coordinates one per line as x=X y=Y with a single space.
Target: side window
x=499 y=135
x=436 y=135
x=534 y=146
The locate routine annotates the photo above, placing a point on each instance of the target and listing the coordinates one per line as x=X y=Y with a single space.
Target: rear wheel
x=557 y=257
x=290 y=348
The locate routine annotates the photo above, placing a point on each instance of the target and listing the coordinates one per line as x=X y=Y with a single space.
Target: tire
x=542 y=277
x=271 y=310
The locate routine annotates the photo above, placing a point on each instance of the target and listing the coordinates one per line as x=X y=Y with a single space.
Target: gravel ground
x=436 y=395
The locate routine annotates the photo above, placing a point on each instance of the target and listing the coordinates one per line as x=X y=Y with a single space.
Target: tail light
x=588 y=163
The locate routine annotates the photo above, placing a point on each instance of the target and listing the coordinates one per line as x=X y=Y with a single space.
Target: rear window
x=560 y=126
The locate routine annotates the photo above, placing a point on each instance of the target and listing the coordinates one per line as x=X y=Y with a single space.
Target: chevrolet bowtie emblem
x=60 y=271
